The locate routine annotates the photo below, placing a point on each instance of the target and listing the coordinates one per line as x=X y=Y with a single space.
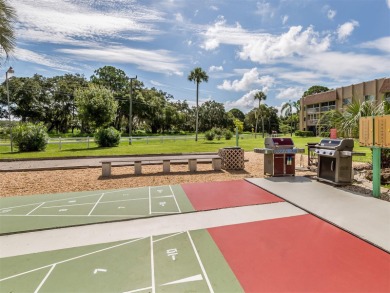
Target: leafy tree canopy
x=315 y=89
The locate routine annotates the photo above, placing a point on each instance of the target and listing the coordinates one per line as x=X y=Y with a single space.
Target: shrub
x=30 y=137
x=228 y=134
x=217 y=132
x=209 y=135
x=107 y=137
x=304 y=133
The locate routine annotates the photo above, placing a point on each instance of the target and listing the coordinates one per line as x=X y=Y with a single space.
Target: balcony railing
x=312 y=122
x=312 y=110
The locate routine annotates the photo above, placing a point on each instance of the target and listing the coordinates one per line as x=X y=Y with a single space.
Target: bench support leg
x=137 y=168
x=106 y=169
x=192 y=165
x=217 y=164
x=166 y=166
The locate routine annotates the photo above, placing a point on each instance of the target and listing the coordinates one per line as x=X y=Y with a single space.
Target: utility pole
x=9 y=71
x=131 y=107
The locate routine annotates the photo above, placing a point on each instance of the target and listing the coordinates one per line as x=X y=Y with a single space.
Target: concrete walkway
x=48 y=240
x=365 y=217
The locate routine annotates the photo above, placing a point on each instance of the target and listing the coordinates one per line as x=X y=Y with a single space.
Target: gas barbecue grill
x=335 y=160
x=279 y=156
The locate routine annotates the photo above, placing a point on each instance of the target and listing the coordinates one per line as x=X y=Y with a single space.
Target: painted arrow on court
x=99 y=270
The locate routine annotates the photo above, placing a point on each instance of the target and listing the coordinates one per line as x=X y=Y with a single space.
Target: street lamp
x=9 y=71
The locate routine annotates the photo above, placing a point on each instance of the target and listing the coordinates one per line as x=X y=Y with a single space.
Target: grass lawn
x=165 y=146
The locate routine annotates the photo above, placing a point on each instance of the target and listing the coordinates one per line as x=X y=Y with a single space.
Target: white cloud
x=266 y=48
x=214 y=68
x=179 y=17
x=339 y=65
x=292 y=93
x=159 y=61
x=213 y=7
x=331 y=14
x=346 y=29
x=41 y=59
x=284 y=19
x=250 y=78
x=56 y=21
x=220 y=33
x=388 y=3
x=382 y=44
x=246 y=102
x=265 y=10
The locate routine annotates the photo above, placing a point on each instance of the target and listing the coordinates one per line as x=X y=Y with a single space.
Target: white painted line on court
x=70 y=259
x=152 y=264
x=173 y=235
x=185 y=280
x=156 y=213
x=95 y=204
x=150 y=202
x=81 y=216
x=69 y=205
x=35 y=209
x=200 y=263
x=138 y=290
x=174 y=196
x=45 y=278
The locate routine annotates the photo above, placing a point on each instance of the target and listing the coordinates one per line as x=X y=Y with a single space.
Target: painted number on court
x=172 y=253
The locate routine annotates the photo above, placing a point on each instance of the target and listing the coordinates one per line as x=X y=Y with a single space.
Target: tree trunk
x=197 y=111
x=262 y=124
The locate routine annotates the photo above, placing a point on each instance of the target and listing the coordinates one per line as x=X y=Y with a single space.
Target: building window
x=387 y=97
x=347 y=101
x=369 y=98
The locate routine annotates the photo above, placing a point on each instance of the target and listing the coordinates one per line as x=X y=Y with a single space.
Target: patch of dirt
x=60 y=181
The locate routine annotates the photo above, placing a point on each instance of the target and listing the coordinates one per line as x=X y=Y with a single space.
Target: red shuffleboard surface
x=225 y=194
x=301 y=254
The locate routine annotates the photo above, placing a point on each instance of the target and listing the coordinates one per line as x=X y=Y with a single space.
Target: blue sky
x=280 y=47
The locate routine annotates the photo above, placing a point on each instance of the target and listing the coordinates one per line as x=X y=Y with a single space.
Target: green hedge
x=107 y=137
x=30 y=137
x=304 y=133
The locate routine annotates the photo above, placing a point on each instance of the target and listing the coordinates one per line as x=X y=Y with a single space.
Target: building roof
x=385 y=88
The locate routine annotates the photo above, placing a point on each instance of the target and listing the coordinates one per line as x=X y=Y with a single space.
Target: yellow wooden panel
x=382 y=131
x=366 y=131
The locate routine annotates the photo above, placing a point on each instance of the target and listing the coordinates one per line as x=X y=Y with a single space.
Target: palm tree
x=261 y=97
x=197 y=75
x=7 y=37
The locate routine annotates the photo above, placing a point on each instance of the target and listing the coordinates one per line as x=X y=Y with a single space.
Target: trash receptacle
x=232 y=158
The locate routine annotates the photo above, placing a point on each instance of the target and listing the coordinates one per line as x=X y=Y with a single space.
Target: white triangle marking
x=185 y=280
x=159 y=190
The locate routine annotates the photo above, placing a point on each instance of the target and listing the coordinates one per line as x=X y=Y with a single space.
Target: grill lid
x=345 y=144
x=278 y=142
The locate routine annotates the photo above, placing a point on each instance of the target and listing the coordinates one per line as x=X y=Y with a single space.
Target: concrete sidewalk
x=366 y=217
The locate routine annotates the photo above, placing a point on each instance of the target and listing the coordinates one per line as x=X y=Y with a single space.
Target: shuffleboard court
x=301 y=254
x=179 y=262
x=226 y=194
x=289 y=254
x=37 y=212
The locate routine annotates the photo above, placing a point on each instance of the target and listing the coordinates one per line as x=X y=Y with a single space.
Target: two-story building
x=314 y=106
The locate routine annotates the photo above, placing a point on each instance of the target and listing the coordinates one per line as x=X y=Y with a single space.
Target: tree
x=96 y=105
x=212 y=115
x=7 y=36
x=197 y=75
x=287 y=110
x=315 y=89
x=236 y=113
x=261 y=97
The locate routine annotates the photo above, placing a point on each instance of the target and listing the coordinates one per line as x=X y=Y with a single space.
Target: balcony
x=312 y=122
x=328 y=108
x=312 y=110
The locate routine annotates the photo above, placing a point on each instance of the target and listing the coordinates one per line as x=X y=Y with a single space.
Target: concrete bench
x=165 y=160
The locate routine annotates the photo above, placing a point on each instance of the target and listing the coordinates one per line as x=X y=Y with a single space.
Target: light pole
x=9 y=71
x=131 y=106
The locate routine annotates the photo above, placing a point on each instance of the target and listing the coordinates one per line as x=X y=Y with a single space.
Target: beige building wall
x=312 y=106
